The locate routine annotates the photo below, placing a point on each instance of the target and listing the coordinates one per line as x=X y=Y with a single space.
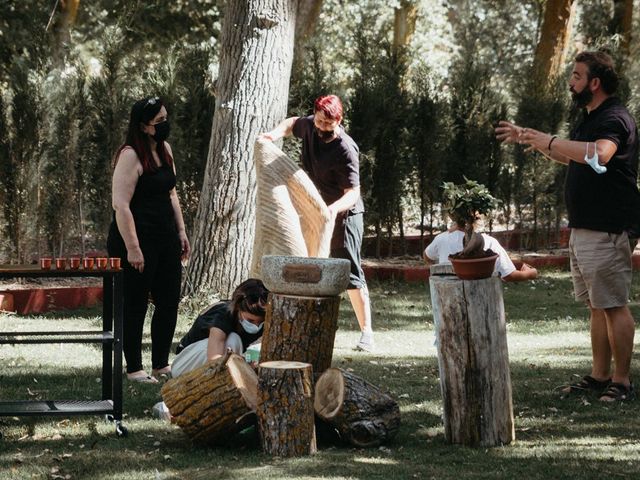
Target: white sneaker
x=161 y=412
x=366 y=342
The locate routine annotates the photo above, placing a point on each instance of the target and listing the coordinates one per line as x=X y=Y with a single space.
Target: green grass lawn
x=548 y=345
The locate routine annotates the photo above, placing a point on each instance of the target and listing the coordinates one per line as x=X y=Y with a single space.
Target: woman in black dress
x=148 y=233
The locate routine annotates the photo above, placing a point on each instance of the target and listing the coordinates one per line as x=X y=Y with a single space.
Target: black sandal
x=587 y=384
x=618 y=392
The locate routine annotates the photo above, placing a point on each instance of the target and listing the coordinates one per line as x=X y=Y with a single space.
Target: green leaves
x=466 y=201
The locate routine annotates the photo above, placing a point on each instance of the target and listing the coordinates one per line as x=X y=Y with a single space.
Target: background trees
x=424 y=81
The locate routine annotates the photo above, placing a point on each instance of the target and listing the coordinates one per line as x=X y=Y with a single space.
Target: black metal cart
x=110 y=337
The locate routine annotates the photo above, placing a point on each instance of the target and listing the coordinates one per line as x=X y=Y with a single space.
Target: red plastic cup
x=101 y=263
x=45 y=263
x=114 y=263
x=87 y=263
x=61 y=263
x=74 y=263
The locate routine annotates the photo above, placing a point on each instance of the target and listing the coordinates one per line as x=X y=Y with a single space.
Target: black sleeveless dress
x=152 y=212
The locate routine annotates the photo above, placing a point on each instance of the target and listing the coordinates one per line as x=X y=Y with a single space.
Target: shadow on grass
x=554 y=436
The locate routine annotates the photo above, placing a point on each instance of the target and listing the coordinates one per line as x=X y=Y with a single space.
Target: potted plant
x=466 y=203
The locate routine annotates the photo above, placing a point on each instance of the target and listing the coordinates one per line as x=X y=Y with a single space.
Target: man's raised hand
x=508 y=132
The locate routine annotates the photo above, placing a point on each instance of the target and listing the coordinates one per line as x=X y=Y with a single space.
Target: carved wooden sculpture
x=291 y=216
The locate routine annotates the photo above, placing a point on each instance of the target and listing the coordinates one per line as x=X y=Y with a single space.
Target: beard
x=582 y=98
x=324 y=135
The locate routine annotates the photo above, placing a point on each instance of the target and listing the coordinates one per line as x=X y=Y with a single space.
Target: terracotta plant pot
x=473 y=268
x=61 y=263
x=101 y=263
x=74 y=263
x=45 y=263
x=87 y=263
x=114 y=263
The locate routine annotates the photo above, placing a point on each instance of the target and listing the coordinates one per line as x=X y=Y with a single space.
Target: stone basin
x=306 y=276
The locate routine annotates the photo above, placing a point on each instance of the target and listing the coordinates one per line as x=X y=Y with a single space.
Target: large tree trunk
x=621 y=24
x=404 y=24
x=61 y=29
x=308 y=13
x=554 y=39
x=252 y=89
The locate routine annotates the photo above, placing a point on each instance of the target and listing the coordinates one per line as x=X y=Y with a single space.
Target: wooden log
x=285 y=408
x=474 y=360
x=300 y=329
x=364 y=415
x=215 y=401
x=441 y=269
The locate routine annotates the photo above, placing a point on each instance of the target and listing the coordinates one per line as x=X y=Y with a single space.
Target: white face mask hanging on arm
x=593 y=161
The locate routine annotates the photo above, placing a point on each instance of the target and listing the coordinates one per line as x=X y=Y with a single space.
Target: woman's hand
x=185 y=246
x=136 y=259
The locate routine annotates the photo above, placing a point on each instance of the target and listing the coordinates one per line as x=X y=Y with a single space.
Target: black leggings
x=161 y=278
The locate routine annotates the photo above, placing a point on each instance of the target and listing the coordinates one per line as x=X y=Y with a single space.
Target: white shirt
x=449 y=243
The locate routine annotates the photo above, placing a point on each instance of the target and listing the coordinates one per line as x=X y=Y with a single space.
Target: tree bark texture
x=285 y=409
x=256 y=51
x=215 y=401
x=622 y=24
x=300 y=329
x=308 y=13
x=61 y=31
x=552 y=47
x=364 y=415
x=473 y=360
x=404 y=25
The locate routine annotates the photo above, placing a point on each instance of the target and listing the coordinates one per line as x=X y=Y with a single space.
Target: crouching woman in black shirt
x=233 y=324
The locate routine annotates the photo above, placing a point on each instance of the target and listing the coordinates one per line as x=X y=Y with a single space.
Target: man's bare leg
x=362 y=307
x=600 y=353
x=621 y=330
x=600 y=346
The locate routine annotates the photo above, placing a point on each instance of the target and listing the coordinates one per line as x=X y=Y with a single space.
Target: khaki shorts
x=600 y=267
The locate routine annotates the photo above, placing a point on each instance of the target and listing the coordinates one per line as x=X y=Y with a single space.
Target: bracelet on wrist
x=551 y=141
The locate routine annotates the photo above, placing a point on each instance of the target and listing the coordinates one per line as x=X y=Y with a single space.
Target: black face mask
x=583 y=98
x=324 y=135
x=162 y=131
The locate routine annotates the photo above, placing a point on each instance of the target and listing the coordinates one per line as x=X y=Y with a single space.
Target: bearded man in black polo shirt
x=331 y=159
x=603 y=204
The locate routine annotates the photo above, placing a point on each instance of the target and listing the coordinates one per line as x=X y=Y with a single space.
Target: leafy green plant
x=466 y=203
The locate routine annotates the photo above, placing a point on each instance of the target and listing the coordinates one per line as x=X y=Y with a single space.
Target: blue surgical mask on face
x=249 y=327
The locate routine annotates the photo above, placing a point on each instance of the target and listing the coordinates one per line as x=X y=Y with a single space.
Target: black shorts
x=353 y=231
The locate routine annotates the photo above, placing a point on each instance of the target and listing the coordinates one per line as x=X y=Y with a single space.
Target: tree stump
x=215 y=401
x=285 y=408
x=300 y=329
x=473 y=360
x=363 y=414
